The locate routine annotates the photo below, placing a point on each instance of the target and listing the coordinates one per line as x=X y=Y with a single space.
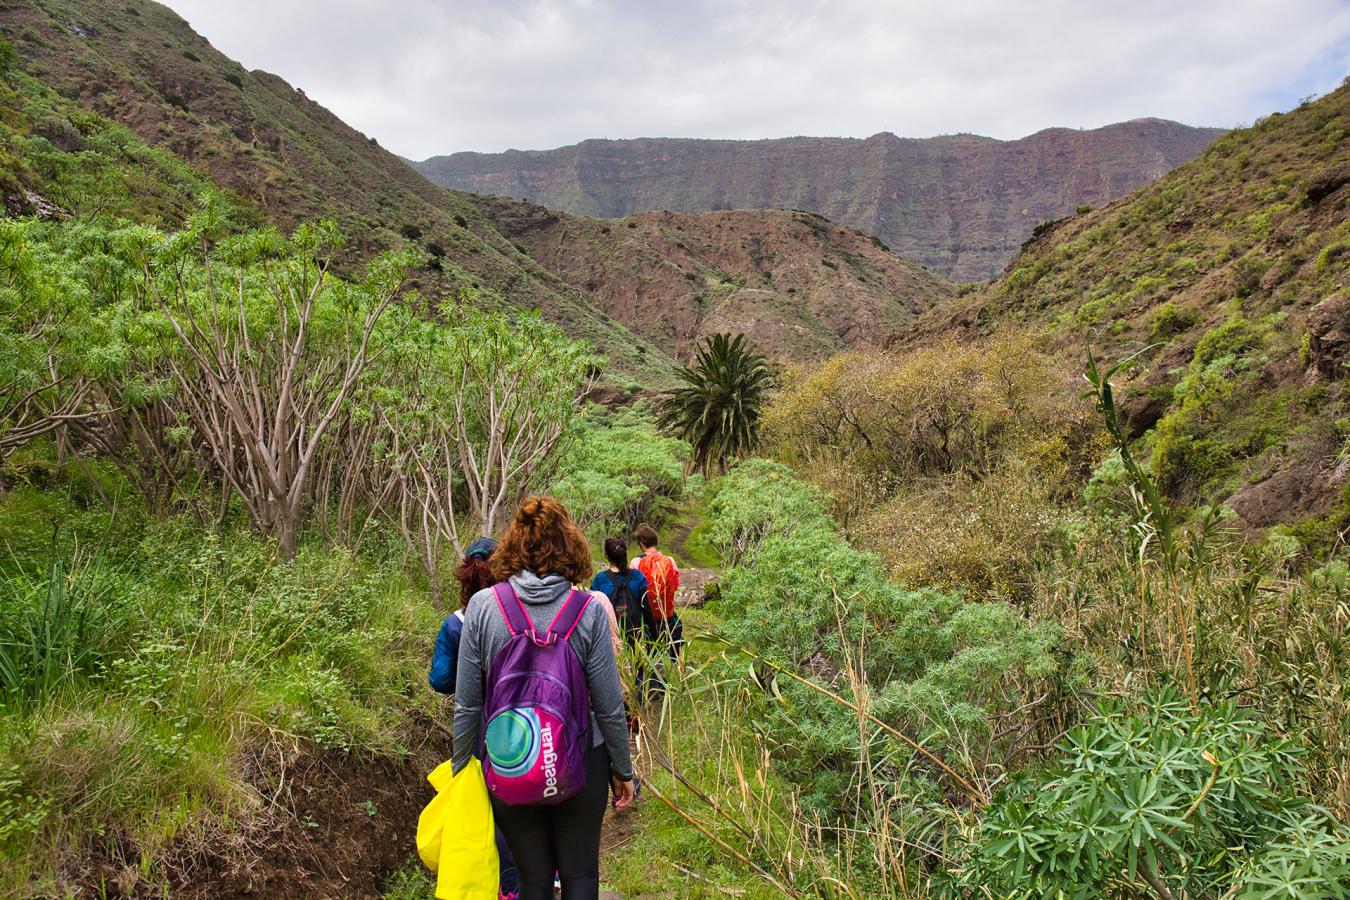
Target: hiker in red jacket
x=663 y=580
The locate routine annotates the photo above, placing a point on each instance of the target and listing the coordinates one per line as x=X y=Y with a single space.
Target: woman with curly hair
x=542 y=556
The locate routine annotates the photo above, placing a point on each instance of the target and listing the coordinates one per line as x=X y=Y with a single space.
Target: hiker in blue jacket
x=630 y=595
x=474 y=575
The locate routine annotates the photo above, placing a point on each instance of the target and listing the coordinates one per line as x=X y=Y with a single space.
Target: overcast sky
x=435 y=76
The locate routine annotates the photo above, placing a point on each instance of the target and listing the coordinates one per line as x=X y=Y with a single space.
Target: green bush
x=798 y=595
x=1198 y=804
x=140 y=657
x=1190 y=450
x=1170 y=320
x=620 y=471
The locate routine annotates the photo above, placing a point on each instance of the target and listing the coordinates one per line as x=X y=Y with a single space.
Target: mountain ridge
x=960 y=205
x=1058 y=129
x=287 y=158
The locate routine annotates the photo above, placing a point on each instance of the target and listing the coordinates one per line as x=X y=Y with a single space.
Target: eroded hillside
x=1227 y=278
x=800 y=286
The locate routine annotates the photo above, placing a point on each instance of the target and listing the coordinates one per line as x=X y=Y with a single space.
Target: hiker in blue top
x=474 y=575
x=629 y=594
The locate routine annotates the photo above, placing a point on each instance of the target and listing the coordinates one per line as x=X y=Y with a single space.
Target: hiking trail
x=621 y=829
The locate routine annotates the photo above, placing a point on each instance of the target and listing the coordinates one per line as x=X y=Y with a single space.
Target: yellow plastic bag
x=455 y=838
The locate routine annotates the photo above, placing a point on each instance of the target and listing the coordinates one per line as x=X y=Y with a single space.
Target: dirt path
x=621 y=830
x=694 y=582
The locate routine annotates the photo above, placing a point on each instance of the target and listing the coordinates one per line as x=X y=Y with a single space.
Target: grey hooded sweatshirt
x=485 y=633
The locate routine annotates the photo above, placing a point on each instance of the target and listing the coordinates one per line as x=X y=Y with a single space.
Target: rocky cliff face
x=799 y=286
x=960 y=205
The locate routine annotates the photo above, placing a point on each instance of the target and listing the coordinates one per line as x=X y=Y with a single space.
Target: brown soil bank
x=327 y=824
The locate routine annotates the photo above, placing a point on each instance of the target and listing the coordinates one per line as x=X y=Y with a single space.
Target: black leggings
x=564 y=838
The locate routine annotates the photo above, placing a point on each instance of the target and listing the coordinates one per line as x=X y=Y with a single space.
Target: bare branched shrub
x=270 y=348
x=470 y=417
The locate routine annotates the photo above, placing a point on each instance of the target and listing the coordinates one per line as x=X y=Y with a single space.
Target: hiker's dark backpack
x=635 y=617
x=537 y=707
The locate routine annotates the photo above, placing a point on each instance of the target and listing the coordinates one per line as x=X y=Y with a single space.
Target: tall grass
x=58 y=629
x=142 y=659
x=717 y=771
x=1252 y=623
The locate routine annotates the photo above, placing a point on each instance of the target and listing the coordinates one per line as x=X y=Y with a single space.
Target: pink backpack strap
x=565 y=622
x=507 y=601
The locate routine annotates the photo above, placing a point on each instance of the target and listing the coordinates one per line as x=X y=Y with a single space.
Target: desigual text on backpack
x=537 y=707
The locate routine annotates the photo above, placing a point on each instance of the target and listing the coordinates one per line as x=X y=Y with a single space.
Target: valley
x=1010 y=482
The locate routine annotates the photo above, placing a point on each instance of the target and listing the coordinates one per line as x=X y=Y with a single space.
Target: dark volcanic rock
x=1306 y=489
x=1327 y=182
x=1329 y=335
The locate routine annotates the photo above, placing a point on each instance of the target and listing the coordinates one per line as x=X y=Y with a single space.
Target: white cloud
x=435 y=76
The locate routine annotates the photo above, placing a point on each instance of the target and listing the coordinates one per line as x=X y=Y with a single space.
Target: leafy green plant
x=1167 y=802
x=717 y=406
x=1170 y=320
x=1155 y=516
x=152 y=653
x=801 y=597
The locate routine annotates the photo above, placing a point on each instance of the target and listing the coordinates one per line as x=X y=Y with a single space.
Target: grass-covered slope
x=158 y=676
x=1227 y=277
x=136 y=70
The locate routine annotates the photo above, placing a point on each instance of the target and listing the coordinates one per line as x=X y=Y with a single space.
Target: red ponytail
x=474 y=575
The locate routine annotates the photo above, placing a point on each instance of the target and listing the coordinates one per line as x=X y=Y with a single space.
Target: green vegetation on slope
x=1227 y=278
x=1212 y=764
x=143 y=658
x=285 y=158
x=161 y=661
x=618 y=472
x=58 y=159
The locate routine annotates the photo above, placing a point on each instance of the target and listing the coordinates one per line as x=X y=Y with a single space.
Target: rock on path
x=694 y=584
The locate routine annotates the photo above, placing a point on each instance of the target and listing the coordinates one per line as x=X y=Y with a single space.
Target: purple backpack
x=537 y=707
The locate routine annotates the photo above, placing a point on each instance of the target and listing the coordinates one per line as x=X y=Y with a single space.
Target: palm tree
x=716 y=407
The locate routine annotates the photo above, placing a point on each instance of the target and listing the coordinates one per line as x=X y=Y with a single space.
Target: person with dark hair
x=474 y=574
x=663 y=580
x=626 y=589
x=541 y=556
